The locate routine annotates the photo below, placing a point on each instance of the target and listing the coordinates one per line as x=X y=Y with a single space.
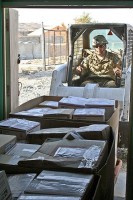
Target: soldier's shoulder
x=113 y=55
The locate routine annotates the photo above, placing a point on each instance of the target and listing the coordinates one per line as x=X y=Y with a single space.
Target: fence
x=55 y=49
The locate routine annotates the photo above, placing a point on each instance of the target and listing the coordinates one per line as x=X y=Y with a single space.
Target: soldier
x=100 y=66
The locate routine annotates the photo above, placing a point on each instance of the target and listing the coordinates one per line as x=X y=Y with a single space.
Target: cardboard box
x=18 y=127
x=19 y=182
x=59 y=113
x=9 y=164
x=92 y=193
x=20 y=151
x=34 y=112
x=74 y=155
x=5 y=192
x=46 y=197
x=38 y=137
x=106 y=172
x=8 y=161
x=72 y=102
x=38 y=114
x=94 y=132
x=91 y=132
x=49 y=104
x=108 y=104
x=6 y=143
x=113 y=120
x=61 y=184
x=23 y=150
x=89 y=114
x=80 y=102
x=35 y=103
x=31 y=105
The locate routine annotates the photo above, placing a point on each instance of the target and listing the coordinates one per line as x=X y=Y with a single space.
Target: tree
x=63 y=25
x=83 y=19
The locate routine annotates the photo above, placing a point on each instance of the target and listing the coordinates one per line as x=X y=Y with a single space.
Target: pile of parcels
x=63 y=150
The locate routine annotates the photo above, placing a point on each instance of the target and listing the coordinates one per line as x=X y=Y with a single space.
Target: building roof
x=38 y=32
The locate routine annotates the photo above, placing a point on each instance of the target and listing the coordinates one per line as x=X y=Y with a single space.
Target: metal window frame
x=69 y=4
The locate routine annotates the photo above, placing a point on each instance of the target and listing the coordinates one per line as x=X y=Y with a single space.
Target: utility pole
x=43 y=48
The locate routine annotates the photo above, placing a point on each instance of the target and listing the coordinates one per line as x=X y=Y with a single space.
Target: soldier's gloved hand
x=79 y=70
x=117 y=71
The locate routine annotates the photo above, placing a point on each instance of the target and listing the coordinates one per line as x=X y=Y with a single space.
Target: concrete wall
x=34 y=39
x=31 y=48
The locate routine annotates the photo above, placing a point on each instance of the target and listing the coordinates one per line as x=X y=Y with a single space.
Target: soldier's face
x=100 y=49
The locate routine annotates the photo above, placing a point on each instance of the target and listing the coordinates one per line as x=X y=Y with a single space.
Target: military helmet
x=99 y=39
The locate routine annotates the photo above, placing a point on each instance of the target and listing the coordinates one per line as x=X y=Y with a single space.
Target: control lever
x=117 y=81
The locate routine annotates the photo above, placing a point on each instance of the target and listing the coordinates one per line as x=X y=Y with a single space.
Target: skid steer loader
x=66 y=83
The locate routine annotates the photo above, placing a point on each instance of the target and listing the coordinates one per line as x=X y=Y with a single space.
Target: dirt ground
x=122 y=154
x=36 y=82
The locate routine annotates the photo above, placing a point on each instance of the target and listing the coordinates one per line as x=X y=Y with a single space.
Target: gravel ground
x=35 y=81
x=122 y=154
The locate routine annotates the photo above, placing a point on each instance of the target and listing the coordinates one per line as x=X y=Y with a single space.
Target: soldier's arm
x=82 y=69
x=117 y=66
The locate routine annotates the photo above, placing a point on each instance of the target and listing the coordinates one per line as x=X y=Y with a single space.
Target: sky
x=58 y=16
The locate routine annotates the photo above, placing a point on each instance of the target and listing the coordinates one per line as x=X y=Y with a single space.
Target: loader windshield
x=115 y=44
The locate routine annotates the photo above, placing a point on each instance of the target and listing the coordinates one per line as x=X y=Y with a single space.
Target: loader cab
x=65 y=82
x=119 y=37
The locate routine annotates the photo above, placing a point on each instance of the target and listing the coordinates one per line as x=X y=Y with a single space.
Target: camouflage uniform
x=100 y=71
